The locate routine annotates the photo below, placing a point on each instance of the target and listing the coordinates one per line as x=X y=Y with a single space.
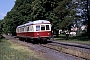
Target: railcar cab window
x=42 y=27
x=37 y=28
x=47 y=27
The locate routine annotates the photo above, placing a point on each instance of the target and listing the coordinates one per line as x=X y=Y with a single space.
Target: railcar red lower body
x=35 y=34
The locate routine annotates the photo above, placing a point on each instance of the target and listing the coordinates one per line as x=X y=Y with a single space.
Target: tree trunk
x=88 y=28
x=88 y=15
x=57 y=33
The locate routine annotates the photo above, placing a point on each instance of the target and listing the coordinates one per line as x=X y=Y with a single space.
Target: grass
x=73 y=39
x=13 y=51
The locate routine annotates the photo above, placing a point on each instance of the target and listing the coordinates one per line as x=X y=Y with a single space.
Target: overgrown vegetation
x=1 y=37
x=14 y=51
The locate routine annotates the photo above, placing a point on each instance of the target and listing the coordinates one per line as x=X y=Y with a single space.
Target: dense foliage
x=58 y=12
x=1 y=30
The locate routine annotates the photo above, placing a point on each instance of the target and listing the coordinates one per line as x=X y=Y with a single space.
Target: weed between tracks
x=14 y=51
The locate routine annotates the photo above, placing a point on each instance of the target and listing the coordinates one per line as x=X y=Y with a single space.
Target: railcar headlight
x=48 y=33
x=37 y=34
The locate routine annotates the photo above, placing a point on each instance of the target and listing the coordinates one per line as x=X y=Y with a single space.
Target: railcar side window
x=31 y=28
x=42 y=27
x=37 y=28
x=47 y=27
x=22 y=29
x=27 y=28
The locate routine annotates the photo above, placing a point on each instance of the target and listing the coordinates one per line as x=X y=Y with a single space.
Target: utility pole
x=88 y=16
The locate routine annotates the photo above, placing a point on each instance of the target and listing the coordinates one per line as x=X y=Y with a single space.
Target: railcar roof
x=34 y=22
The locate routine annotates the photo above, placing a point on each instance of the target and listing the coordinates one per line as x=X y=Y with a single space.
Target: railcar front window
x=47 y=27
x=37 y=28
x=42 y=27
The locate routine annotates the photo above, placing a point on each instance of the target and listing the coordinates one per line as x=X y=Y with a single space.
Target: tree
x=65 y=14
x=55 y=11
x=0 y=30
x=88 y=15
x=17 y=16
x=0 y=26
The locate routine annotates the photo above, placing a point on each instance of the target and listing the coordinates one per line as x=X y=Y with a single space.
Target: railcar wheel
x=34 y=41
x=43 y=40
x=20 y=38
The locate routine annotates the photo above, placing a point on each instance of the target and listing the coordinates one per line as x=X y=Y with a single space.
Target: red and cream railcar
x=39 y=29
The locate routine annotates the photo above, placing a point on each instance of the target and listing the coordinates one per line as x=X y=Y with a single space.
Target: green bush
x=1 y=37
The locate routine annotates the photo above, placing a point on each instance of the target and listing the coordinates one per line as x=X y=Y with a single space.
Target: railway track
x=78 y=50
x=73 y=44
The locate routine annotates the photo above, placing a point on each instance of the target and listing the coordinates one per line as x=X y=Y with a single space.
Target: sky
x=5 y=6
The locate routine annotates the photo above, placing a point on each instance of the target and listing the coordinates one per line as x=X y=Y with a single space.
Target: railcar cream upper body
x=35 y=26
